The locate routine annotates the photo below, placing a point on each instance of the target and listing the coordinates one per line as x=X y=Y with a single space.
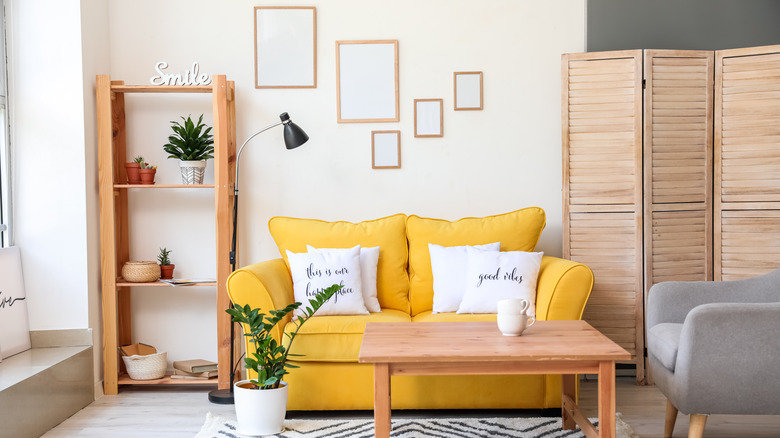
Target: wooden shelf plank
x=164 y=186
x=124 y=379
x=120 y=282
x=161 y=88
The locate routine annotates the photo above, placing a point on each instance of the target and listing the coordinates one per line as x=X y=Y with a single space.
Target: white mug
x=514 y=325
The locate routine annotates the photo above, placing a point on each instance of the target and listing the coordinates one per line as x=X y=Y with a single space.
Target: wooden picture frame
x=367 y=81
x=285 y=47
x=467 y=87
x=386 y=149
x=429 y=117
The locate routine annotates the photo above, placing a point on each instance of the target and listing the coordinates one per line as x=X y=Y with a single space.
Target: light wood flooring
x=180 y=412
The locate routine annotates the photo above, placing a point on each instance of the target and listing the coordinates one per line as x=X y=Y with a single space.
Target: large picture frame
x=367 y=81
x=386 y=149
x=468 y=90
x=285 y=47
x=428 y=117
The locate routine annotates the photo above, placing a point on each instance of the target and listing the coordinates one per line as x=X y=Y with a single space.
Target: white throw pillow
x=369 y=257
x=314 y=271
x=494 y=276
x=448 y=265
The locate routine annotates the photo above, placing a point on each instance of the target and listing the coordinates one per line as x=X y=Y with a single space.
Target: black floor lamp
x=293 y=137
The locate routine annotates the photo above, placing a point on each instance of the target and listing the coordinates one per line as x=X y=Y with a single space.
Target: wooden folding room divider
x=637 y=179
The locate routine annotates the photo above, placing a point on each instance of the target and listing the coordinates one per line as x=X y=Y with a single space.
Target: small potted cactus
x=147 y=172
x=133 y=170
x=166 y=267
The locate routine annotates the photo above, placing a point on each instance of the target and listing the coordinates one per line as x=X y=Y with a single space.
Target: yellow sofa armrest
x=265 y=285
x=562 y=289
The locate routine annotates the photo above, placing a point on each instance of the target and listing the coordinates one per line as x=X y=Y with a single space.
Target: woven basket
x=141 y=272
x=149 y=367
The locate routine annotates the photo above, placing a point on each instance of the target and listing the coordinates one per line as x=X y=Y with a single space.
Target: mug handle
x=524 y=306
x=533 y=321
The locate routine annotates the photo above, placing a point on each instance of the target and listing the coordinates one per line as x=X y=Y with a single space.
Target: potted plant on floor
x=261 y=403
x=166 y=267
x=133 y=170
x=193 y=144
x=147 y=173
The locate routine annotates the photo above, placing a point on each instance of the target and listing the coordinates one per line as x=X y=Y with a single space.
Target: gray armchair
x=714 y=347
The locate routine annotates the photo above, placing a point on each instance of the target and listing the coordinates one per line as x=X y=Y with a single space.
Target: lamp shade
x=293 y=134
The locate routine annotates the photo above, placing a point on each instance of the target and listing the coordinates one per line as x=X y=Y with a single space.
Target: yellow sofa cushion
x=388 y=233
x=336 y=338
x=517 y=231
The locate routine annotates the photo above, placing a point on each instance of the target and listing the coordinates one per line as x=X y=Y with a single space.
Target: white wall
x=50 y=160
x=497 y=160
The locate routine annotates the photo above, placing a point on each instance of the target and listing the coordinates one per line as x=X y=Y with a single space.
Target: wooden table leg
x=381 y=400
x=569 y=390
x=607 y=425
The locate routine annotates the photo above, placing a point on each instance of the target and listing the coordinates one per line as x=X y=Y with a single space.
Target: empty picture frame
x=367 y=81
x=428 y=118
x=468 y=90
x=285 y=47
x=386 y=149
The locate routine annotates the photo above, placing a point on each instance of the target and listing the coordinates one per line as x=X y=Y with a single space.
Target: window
x=5 y=152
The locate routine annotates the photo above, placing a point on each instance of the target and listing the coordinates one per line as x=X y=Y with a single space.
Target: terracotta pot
x=147 y=175
x=167 y=271
x=133 y=174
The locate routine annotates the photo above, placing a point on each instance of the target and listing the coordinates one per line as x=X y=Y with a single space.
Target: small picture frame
x=428 y=118
x=285 y=47
x=386 y=149
x=468 y=90
x=367 y=81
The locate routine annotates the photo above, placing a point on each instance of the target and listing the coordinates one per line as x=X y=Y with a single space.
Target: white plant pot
x=192 y=171
x=260 y=412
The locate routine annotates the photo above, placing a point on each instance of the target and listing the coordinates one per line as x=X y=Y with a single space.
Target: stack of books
x=194 y=369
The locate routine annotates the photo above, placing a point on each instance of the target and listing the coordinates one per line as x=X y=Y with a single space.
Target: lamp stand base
x=221 y=396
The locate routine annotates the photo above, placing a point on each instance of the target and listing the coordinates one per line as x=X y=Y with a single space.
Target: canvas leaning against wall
x=14 y=323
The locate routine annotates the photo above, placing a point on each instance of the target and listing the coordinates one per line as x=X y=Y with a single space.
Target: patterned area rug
x=220 y=427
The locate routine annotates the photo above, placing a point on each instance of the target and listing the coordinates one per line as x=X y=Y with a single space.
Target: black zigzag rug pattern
x=220 y=427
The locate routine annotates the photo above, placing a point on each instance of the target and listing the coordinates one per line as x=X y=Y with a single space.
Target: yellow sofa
x=329 y=376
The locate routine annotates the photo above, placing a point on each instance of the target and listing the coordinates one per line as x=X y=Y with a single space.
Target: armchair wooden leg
x=671 y=419
x=696 y=428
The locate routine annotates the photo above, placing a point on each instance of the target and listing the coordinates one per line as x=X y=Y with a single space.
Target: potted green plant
x=193 y=144
x=261 y=403
x=166 y=267
x=132 y=168
x=147 y=172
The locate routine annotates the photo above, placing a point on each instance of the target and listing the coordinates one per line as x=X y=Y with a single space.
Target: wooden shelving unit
x=114 y=218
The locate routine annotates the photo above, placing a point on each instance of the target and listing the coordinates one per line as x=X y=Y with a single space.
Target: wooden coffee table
x=459 y=348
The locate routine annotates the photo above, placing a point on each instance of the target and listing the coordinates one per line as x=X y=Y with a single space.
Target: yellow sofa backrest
x=388 y=233
x=517 y=231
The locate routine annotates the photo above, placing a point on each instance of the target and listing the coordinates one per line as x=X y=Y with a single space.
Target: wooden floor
x=180 y=412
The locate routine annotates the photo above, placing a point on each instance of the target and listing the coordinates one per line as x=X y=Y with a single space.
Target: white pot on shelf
x=192 y=171
x=260 y=412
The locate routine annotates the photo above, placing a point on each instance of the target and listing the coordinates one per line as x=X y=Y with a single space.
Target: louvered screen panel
x=678 y=165
x=750 y=243
x=607 y=243
x=602 y=112
x=747 y=162
x=750 y=127
x=602 y=187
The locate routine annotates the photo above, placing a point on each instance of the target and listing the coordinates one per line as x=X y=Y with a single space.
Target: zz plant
x=269 y=360
x=190 y=141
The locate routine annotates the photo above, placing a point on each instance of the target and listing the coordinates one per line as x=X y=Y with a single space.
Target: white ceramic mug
x=511 y=317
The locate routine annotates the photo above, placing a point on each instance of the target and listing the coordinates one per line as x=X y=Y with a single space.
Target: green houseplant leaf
x=190 y=141
x=269 y=360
